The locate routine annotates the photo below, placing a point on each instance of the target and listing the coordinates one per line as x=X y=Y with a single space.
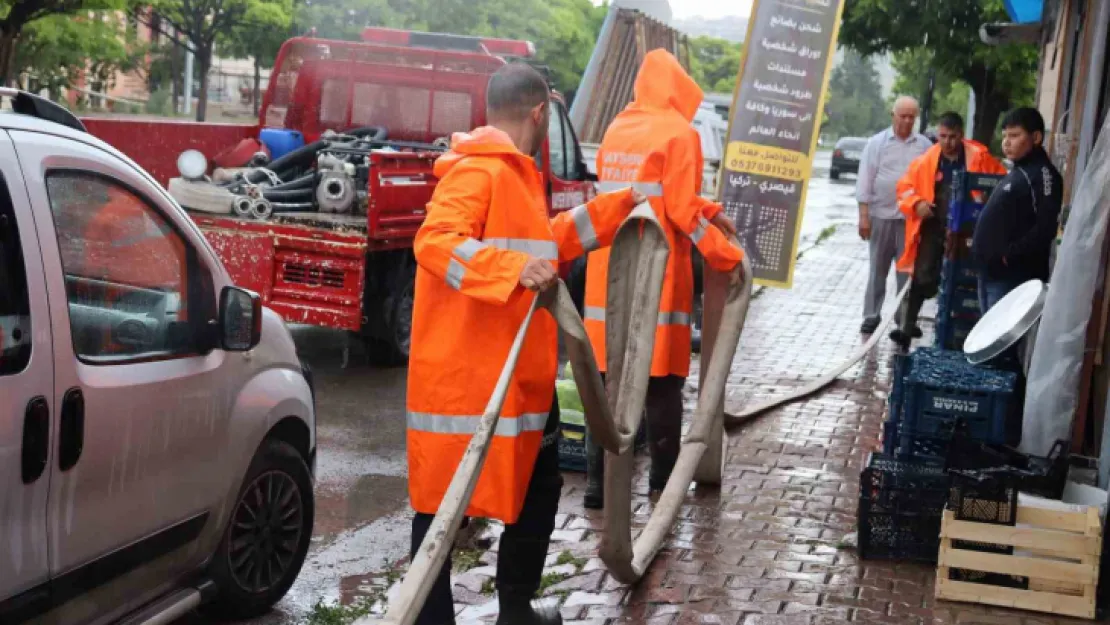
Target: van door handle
x=71 y=435
x=36 y=439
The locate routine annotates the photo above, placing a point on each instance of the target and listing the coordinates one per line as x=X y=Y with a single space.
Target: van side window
x=15 y=308
x=128 y=273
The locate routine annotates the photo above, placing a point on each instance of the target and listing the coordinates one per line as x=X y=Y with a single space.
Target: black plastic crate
x=984 y=498
x=900 y=508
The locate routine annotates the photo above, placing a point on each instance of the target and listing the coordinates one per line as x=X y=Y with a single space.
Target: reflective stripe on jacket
x=652 y=145
x=487 y=217
x=919 y=183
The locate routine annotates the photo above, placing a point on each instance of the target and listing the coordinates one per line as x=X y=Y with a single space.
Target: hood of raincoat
x=663 y=84
x=486 y=141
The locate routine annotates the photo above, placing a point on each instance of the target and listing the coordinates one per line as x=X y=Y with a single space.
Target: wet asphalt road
x=362 y=513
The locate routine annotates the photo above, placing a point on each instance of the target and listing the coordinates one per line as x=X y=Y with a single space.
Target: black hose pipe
x=304 y=182
x=302 y=157
x=289 y=195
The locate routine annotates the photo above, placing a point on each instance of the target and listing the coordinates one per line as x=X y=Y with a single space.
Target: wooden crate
x=1057 y=550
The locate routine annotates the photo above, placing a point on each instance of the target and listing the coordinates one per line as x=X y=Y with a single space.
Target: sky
x=708 y=8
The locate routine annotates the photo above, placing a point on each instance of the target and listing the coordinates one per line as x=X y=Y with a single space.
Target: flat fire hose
x=637 y=264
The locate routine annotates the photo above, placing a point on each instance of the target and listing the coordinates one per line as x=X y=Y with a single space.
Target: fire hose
x=637 y=264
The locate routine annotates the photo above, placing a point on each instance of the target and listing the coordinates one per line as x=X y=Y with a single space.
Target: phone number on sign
x=750 y=166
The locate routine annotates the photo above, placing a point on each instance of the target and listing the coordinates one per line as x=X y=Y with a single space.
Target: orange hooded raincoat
x=919 y=183
x=651 y=143
x=487 y=217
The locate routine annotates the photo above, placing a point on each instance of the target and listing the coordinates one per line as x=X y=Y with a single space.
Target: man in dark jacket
x=1013 y=239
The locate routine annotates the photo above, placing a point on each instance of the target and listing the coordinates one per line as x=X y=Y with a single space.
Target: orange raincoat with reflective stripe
x=919 y=183
x=487 y=217
x=652 y=144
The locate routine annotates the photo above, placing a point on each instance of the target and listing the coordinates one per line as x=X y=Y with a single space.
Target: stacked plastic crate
x=958 y=300
x=936 y=397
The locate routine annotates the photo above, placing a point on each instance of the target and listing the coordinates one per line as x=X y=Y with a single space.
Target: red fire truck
x=355 y=271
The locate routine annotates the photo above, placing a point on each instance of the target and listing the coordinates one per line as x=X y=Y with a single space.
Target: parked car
x=157 y=429
x=846 y=155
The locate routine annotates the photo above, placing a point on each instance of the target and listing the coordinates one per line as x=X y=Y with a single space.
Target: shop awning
x=1025 y=11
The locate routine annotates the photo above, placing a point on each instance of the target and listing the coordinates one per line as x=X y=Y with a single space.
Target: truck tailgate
x=156 y=144
x=306 y=274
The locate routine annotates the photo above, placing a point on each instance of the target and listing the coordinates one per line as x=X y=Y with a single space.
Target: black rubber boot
x=540 y=612
x=594 y=499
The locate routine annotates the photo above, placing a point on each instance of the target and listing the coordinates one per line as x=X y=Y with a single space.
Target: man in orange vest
x=652 y=145
x=924 y=193
x=486 y=246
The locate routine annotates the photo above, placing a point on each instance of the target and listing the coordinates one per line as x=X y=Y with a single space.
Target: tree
x=949 y=32
x=259 y=36
x=855 y=104
x=715 y=63
x=16 y=15
x=203 y=22
x=912 y=67
x=55 y=50
x=563 y=31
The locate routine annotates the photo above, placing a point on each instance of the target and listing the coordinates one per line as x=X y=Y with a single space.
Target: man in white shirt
x=884 y=161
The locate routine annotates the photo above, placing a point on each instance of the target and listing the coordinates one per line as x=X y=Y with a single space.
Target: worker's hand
x=923 y=209
x=865 y=227
x=638 y=198
x=538 y=275
x=724 y=224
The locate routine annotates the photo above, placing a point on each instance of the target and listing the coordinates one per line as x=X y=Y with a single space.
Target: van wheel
x=267 y=537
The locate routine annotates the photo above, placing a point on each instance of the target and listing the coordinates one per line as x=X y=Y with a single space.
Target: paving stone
x=764 y=548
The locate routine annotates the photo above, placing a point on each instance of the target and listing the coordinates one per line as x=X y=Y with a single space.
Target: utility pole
x=187 y=107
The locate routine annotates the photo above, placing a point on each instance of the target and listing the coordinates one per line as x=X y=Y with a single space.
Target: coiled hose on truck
x=638 y=259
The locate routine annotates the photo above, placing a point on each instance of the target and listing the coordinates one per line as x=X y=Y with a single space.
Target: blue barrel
x=280 y=141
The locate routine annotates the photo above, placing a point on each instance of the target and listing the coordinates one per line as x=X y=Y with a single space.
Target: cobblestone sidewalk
x=766 y=548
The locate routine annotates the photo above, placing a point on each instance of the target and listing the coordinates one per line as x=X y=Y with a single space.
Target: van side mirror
x=240 y=319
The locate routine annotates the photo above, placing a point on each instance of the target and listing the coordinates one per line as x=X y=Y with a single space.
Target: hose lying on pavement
x=637 y=263
x=751 y=412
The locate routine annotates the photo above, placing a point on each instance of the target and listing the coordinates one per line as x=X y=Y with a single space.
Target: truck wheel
x=267 y=537
x=401 y=328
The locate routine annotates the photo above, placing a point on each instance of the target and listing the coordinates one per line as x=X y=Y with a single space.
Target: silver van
x=157 y=429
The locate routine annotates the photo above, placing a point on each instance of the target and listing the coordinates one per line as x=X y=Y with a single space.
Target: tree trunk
x=257 y=86
x=7 y=56
x=989 y=106
x=204 y=61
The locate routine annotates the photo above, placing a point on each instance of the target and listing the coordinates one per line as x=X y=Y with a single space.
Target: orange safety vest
x=488 y=216
x=652 y=144
x=919 y=183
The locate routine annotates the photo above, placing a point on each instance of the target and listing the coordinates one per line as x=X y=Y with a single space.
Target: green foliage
x=1000 y=76
x=564 y=31
x=53 y=51
x=715 y=63
x=855 y=103
x=949 y=93
x=160 y=102
x=260 y=33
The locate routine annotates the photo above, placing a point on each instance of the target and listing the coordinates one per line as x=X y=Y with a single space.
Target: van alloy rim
x=265 y=532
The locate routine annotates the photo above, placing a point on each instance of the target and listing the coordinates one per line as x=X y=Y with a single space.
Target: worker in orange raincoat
x=652 y=145
x=486 y=245
x=924 y=193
